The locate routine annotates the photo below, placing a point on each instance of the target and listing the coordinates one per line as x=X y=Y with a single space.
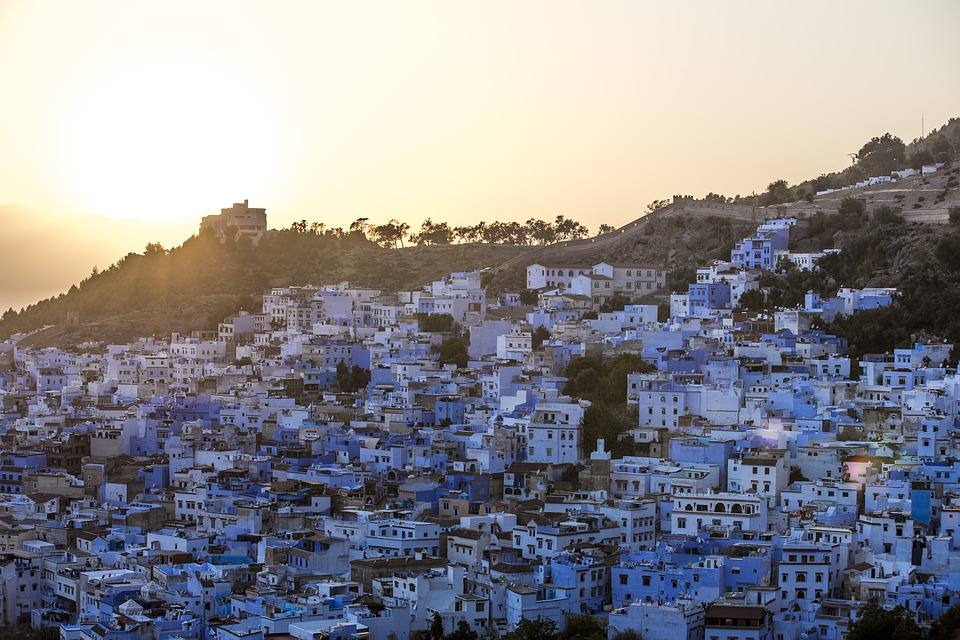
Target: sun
x=167 y=140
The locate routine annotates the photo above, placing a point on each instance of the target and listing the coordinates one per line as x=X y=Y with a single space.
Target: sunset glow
x=159 y=114
x=164 y=140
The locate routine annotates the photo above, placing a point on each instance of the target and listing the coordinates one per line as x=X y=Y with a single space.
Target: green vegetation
x=604 y=384
x=877 y=157
x=435 y=322
x=539 y=335
x=578 y=627
x=25 y=632
x=453 y=350
x=947 y=626
x=616 y=303
x=681 y=277
x=528 y=296
x=922 y=261
x=533 y=231
x=753 y=300
x=877 y=623
x=194 y=286
x=351 y=379
x=888 y=215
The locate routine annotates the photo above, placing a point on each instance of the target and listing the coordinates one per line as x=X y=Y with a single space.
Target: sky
x=125 y=122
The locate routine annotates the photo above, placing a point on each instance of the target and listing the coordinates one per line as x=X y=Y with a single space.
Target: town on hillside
x=568 y=459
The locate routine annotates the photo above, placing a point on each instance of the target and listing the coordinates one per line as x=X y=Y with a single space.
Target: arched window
x=736 y=509
x=720 y=508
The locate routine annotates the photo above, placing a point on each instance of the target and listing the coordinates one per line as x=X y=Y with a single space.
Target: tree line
x=394 y=233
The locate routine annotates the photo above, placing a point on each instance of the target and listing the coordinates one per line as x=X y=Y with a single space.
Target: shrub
x=887 y=215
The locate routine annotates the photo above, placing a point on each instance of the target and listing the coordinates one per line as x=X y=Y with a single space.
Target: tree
x=919 y=158
x=948 y=251
x=873 y=330
x=679 y=278
x=25 y=632
x=947 y=626
x=656 y=205
x=851 y=212
x=154 y=249
x=436 y=627
x=877 y=623
x=390 y=233
x=529 y=296
x=359 y=227
x=716 y=197
x=954 y=214
x=433 y=233
x=435 y=322
x=627 y=634
x=606 y=228
x=583 y=627
x=604 y=383
x=463 y=632
x=539 y=335
x=541 y=232
x=753 y=300
x=822 y=183
x=616 y=303
x=567 y=229
x=351 y=379
x=887 y=215
x=778 y=192
x=882 y=155
x=539 y=629
x=344 y=381
x=453 y=350
x=600 y=421
x=360 y=377
x=401 y=230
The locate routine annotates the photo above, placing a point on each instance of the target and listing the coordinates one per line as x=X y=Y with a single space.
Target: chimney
x=246 y=203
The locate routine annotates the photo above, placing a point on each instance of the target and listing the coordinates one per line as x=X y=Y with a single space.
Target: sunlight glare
x=154 y=142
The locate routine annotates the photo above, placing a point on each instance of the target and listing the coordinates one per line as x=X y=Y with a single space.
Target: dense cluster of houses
x=312 y=470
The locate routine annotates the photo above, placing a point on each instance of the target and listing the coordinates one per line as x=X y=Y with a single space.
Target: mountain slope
x=195 y=285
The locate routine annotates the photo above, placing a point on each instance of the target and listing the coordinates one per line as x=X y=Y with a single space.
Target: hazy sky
x=157 y=113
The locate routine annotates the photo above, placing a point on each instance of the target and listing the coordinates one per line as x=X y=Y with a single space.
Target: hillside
x=195 y=285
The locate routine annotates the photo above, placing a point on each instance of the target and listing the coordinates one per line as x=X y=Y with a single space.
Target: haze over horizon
x=123 y=123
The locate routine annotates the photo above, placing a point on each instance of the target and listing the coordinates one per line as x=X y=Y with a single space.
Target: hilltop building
x=237 y=221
